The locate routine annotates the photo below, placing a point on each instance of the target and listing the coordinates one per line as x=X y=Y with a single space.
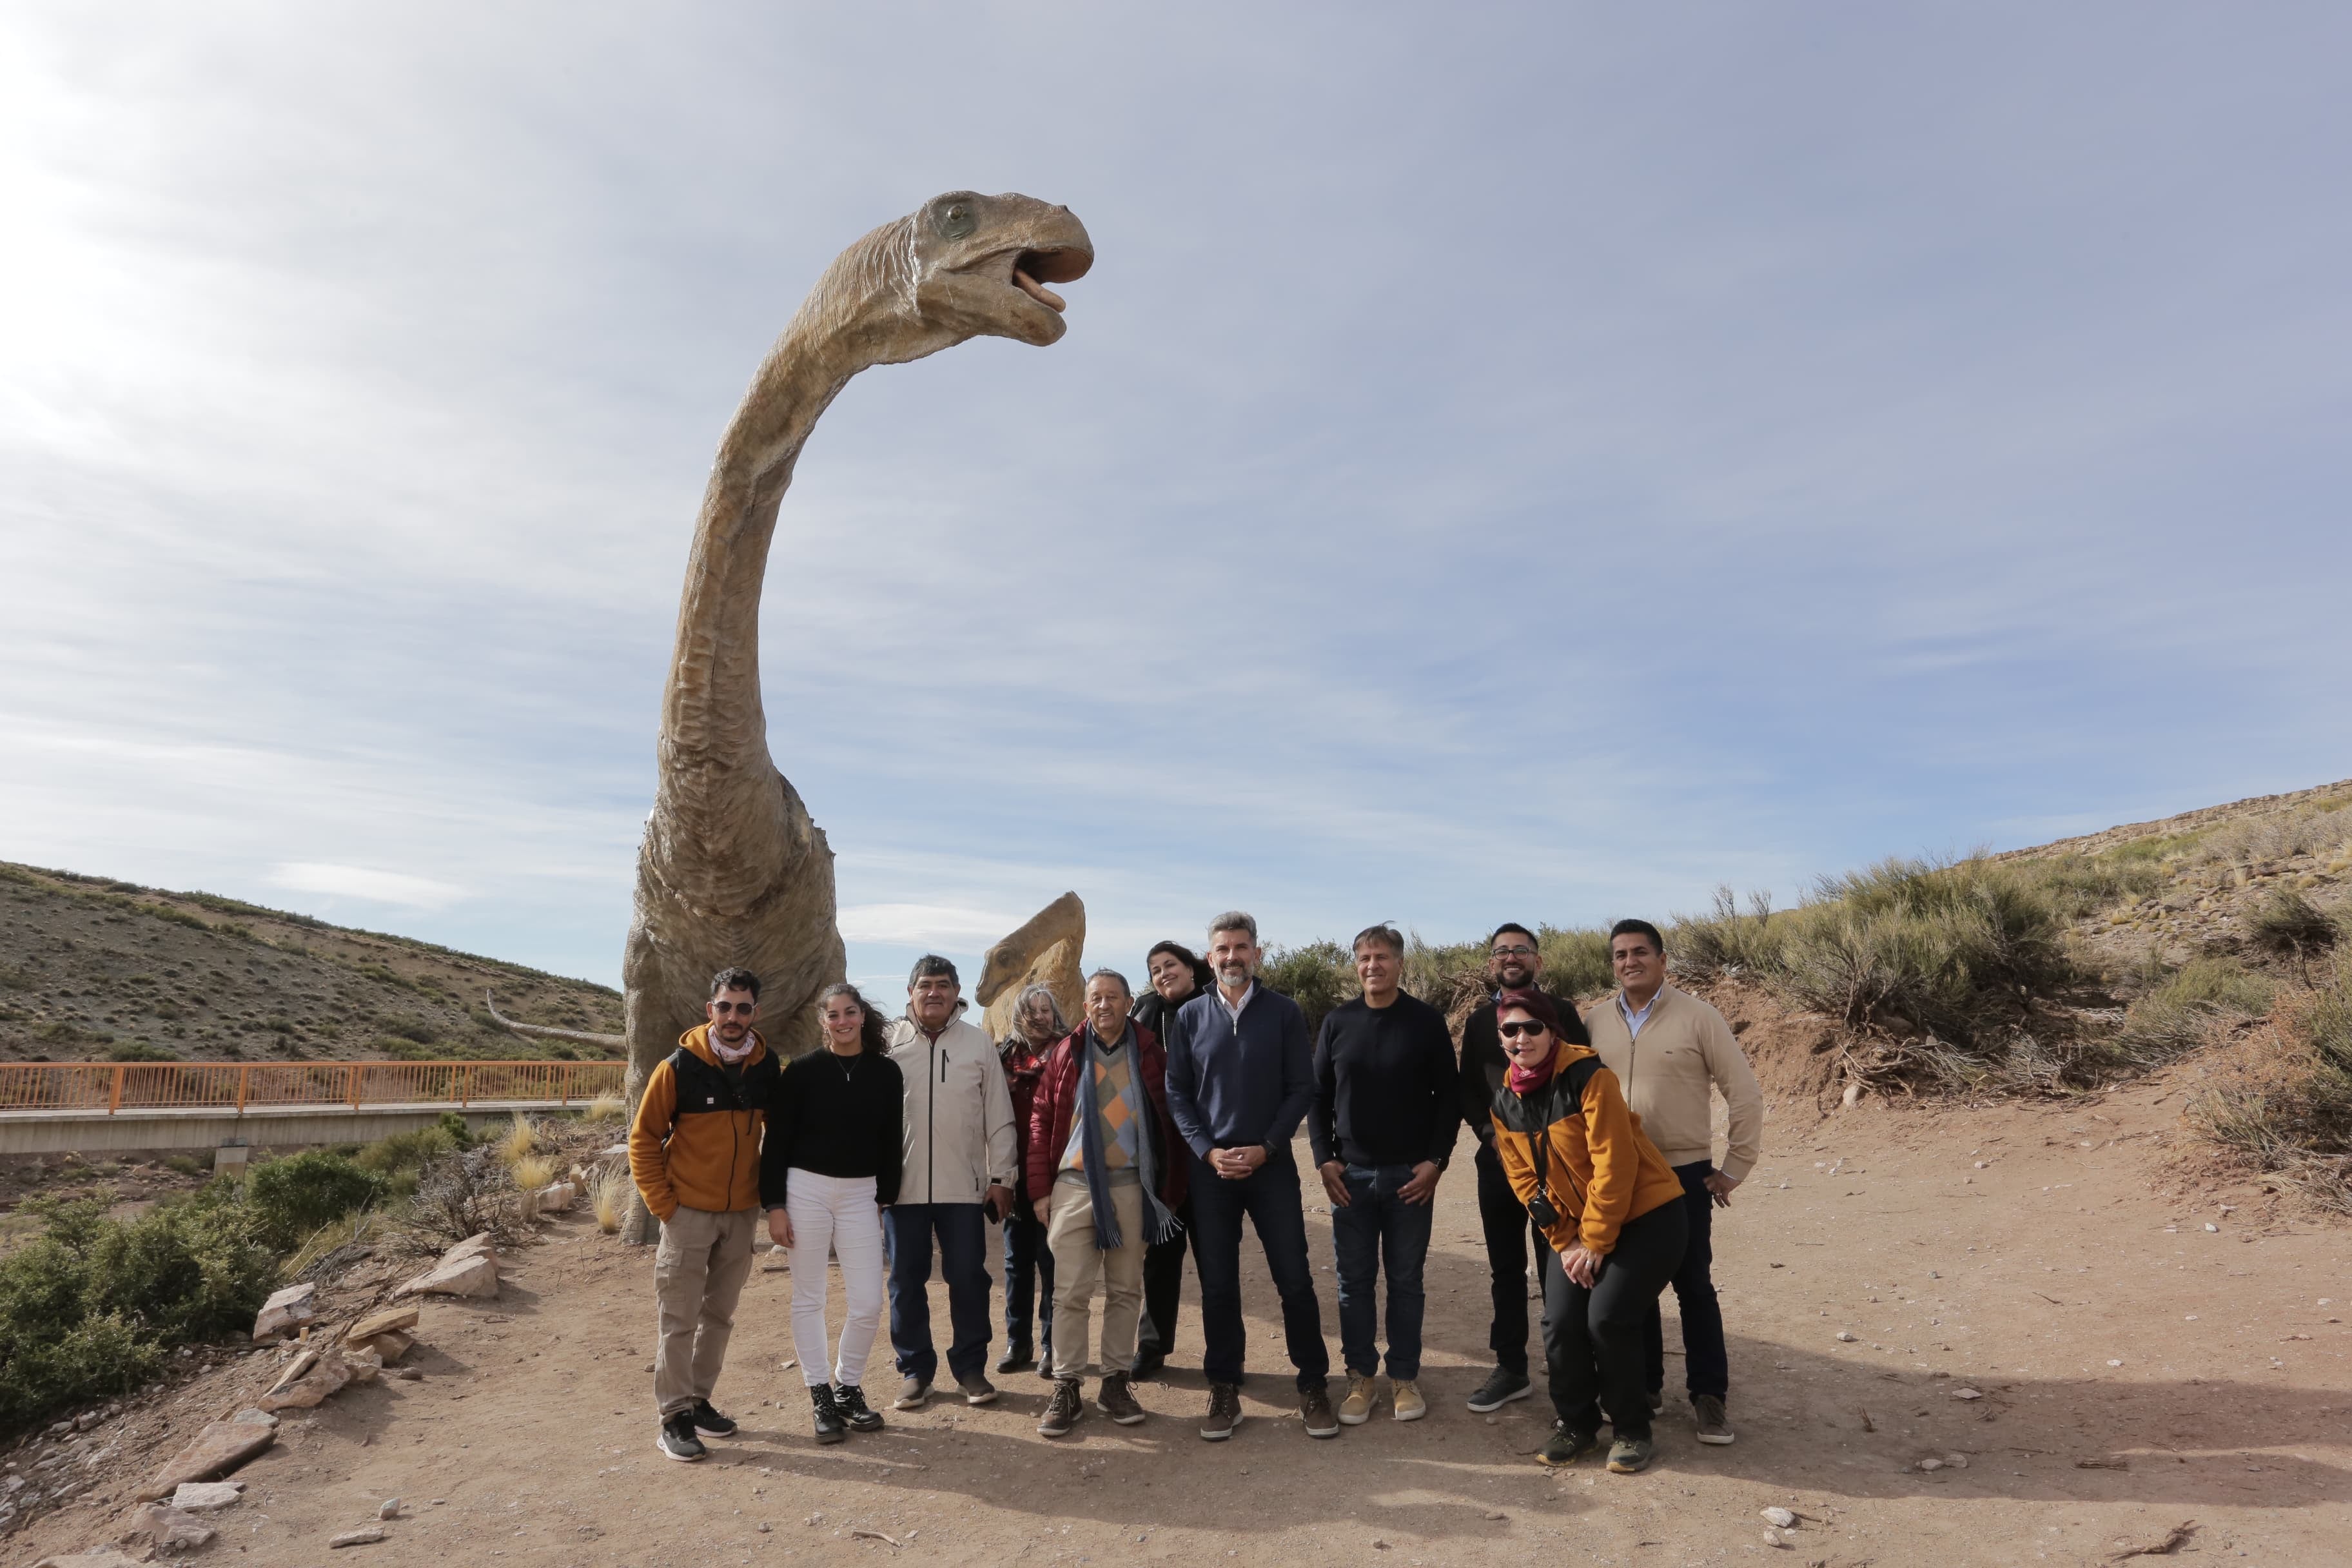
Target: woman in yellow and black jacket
x=1612 y=1210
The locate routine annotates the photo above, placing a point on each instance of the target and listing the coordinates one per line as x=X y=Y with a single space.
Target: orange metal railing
x=112 y=1087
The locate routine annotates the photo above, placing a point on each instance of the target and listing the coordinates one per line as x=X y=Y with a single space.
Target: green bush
x=291 y=1197
x=90 y=1307
x=2289 y=925
x=140 y=1051
x=2297 y=1122
x=2178 y=1012
x=407 y=1151
x=1318 y=976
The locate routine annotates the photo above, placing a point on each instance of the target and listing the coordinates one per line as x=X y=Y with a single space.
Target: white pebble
x=1844 y=1337
x=1780 y=1517
x=390 y=1509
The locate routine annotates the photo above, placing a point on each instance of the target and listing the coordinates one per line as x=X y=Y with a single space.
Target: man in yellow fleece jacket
x=693 y=1152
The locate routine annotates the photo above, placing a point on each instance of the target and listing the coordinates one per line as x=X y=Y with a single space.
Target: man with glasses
x=1673 y=1053
x=1513 y=963
x=694 y=1153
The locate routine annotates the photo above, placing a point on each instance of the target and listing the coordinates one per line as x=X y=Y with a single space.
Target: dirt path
x=2021 y=1253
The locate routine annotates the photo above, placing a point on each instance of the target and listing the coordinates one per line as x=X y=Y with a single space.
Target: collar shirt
x=1633 y=1021
x=1234 y=1009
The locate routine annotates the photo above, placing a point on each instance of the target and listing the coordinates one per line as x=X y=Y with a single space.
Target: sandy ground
x=2137 y=1370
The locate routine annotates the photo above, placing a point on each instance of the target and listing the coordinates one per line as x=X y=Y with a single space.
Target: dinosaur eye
x=953 y=219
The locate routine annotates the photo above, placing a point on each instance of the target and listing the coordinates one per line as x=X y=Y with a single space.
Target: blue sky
x=1507 y=462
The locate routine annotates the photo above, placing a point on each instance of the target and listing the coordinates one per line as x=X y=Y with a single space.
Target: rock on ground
x=96 y=1557
x=290 y=1309
x=217 y=1449
x=203 y=1497
x=367 y=1536
x=391 y=1320
x=469 y=1269
x=170 y=1529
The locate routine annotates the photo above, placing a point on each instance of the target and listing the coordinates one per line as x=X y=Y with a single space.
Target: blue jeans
x=1269 y=1196
x=963 y=1232
x=1028 y=1286
x=1377 y=1232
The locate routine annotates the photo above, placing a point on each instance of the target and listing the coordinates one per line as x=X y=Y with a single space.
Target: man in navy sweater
x=1241 y=1075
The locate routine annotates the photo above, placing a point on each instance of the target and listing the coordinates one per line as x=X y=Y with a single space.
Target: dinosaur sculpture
x=1046 y=951
x=731 y=870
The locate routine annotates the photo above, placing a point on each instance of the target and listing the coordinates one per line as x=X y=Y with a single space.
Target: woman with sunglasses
x=1611 y=1211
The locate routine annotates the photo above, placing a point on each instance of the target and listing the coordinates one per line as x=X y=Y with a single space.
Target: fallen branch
x=2173 y=1542
x=874 y=1535
x=491 y=1003
x=2103 y=1464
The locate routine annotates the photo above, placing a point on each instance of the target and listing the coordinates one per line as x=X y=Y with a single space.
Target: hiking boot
x=1657 y=1401
x=1315 y=1411
x=677 y=1440
x=1062 y=1412
x=1116 y=1400
x=709 y=1423
x=850 y=1400
x=1566 y=1445
x=977 y=1389
x=832 y=1422
x=1502 y=1386
x=1713 y=1429
x=1357 y=1408
x=1630 y=1455
x=913 y=1394
x=1405 y=1401
x=1224 y=1412
x=1015 y=1358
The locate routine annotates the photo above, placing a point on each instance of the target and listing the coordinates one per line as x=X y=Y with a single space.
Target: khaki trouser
x=698 y=1274
x=1070 y=1236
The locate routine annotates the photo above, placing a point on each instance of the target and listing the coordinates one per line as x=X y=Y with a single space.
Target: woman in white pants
x=829 y=1168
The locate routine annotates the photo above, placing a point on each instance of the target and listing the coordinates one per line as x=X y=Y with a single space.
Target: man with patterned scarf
x=1102 y=1174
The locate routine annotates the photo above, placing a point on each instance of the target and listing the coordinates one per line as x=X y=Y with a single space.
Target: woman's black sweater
x=837 y=1116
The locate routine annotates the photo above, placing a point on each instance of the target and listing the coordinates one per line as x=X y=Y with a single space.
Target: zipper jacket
x=1574 y=1141
x=958 y=1125
x=696 y=1139
x=1685 y=1055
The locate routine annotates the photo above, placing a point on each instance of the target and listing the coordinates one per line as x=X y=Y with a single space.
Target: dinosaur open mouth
x=1032 y=270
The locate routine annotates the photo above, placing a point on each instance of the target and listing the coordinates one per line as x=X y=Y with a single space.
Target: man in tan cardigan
x=1672 y=1053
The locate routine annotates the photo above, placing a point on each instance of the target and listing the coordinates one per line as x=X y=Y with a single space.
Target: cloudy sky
x=1507 y=462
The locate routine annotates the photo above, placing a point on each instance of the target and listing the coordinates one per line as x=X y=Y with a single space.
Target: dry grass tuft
x=605 y=1108
x=608 y=1196
x=534 y=1172
x=2289 y=1111
x=519 y=1139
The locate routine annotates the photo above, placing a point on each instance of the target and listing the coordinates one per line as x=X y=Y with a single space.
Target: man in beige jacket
x=1672 y=1053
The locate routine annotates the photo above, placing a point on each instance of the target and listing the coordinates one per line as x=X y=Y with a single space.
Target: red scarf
x=1522 y=1079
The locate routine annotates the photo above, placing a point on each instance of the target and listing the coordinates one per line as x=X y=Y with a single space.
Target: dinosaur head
x=981 y=265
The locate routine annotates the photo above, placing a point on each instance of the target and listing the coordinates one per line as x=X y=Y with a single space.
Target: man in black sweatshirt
x=1513 y=964
x=1386 y=1111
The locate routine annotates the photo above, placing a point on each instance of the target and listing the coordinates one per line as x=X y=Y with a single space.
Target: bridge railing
x=114 y=1087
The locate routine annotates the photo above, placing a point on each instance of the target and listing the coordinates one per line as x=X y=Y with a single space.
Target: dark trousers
x=1379 y=1233
x=1707 y=1366
x=1269 y=1196
x=1163 y=1285
x=1593 y=1336
x=1028 y=1286
x=962 y=1230
x=1509 y=1235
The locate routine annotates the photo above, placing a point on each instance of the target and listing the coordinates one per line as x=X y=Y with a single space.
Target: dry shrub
x=2186 y=1009
x=2288 y=1111
x=463 y=1193
x=534 y=1172
x=608 y=1196
x=605 y=1107
x=2289 y=925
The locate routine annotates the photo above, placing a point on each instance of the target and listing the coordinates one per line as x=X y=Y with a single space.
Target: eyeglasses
x=745 y=1009
x=1513 y=1031
x=1516 y=951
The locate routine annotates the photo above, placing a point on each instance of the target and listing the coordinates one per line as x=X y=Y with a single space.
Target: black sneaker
x=1062 y=1412
x=977 y=1390
x=1657 y=1401
x=1566 y=1445
x=1502 y=1386
x=850 y=1400
x=677 y=1440
x=830 y=1427
x=708 y=1422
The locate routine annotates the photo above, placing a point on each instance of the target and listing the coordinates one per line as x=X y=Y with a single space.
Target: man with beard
x=1513 y=963
x=1240 y=1077
x=1177 y=976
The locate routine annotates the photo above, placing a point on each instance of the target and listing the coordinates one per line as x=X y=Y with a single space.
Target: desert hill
x=97 y=969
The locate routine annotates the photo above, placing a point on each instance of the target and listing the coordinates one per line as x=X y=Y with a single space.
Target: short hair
x=734 y=980
x=1381 y=933
x=1233 y=920
x=1030 y=994
x=1507 y=927
x=1638 y=927
x=929 y=964
x=1533 y=1003
x=1111 y=975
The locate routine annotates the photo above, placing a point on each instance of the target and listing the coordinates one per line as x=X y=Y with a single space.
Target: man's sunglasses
x=1513 y=1031
x=746 y=1008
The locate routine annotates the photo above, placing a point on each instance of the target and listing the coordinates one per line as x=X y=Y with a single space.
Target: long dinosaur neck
x=717 y=785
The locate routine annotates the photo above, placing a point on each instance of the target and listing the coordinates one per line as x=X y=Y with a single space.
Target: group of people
x=1109 y=1148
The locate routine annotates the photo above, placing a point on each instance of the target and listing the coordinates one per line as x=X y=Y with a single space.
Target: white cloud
x=374 y=887
x=919 y=925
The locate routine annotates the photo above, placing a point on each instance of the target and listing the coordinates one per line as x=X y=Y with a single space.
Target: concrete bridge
x=95 y=1107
